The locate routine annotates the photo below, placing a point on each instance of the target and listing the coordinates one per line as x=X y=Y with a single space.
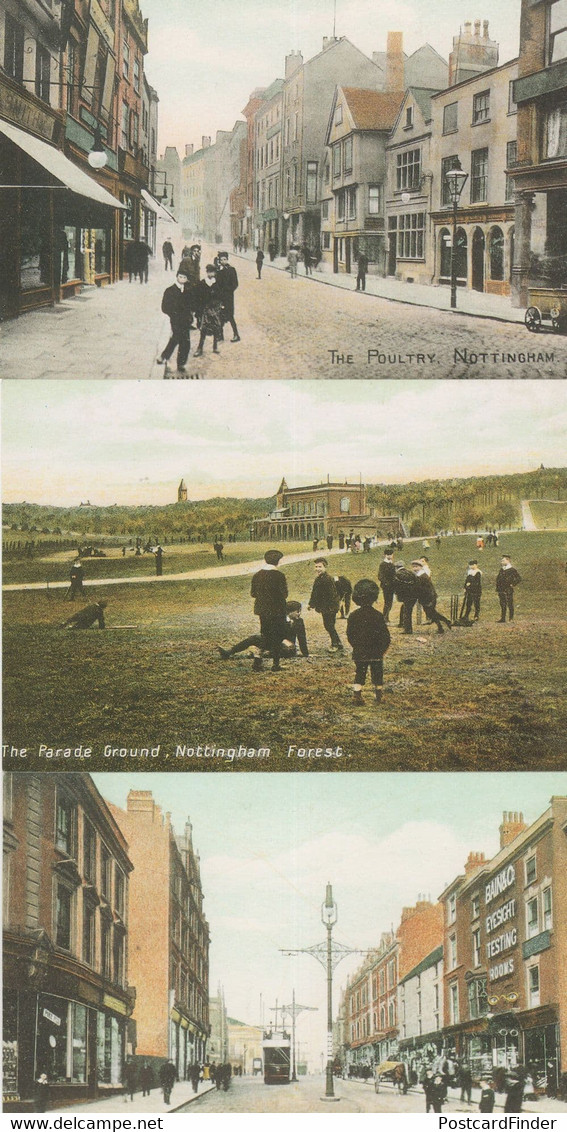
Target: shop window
x=496 y=252
x=51 y=1048
x=479 y=175
x=556 y=132
x=558 y=31
x=445 y=240
x=14 y=36
x=35 y=249
x=450 y=118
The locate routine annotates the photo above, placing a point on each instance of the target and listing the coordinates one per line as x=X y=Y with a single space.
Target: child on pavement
x=368 y=634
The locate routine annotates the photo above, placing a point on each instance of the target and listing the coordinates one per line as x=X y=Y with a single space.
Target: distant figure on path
x=168 y=252
x=259 y=262
x=361 y=274
x=76 y=577
x=227 y=282
x=292 y=259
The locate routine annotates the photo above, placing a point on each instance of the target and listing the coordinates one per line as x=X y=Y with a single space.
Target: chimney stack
x=473 y=862
x=205 y=142
x=512 y=825
x=292 y=62
x=472 y=54
x=395 y=62
x=189 y=150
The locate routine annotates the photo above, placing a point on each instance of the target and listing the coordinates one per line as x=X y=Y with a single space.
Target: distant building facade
x=322 y=509
x=245 y=1050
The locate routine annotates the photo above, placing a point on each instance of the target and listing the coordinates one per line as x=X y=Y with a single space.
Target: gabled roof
x=372 y=109
x=422 y=97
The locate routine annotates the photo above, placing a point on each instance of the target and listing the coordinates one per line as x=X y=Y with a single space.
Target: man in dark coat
x=209 y=304
x=167 y=1079
x=368 y=634
x=227 y=281
x=176 y=304
x=130 y=1078
x=427 y=596
x=84 y=618
x=325 y=600
x=159 y=560
x=191 y=264
x=344 y=589
x=167 y=252
x=473 y=590
x=487 y=1097
x=259 y=262
x=269 y=590
x=146 y=1079
x=140 y=255
x=362 y=269
x=506 y=579
x=386 y=576
x=406 y=591
x=465 y=1081
x=76 y=578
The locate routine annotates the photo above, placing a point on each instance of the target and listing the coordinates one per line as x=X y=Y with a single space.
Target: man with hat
x=227 y=282
x=269 y=590
x=427 y=596
x=176 y=304
x=506 y=579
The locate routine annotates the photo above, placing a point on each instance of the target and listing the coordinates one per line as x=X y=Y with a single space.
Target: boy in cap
x=227 y=280
x=176 y=304
x=386 y=577
x=368 y=634
x=295 y=637
x=269 y=590
x=427 y=596
x=473 y=590
x=325 y=600
x=506 y=579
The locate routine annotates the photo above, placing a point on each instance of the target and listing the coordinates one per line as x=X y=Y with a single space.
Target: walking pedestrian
x=307 y=260
x=129 y=1077
x=438 y=1094
x=76 y=577
x=506 y=581
x=368 y=634
x=195 y=1076
x=209 y=304
x=259 y=262
x=42 y=1093
x=361 y=274
x=191 y=264
x=218 y=548
x=325 y=600
x=176 y=304
x=269 y=590
x=292 y=259
x=487 y=1097
x=146 y=1079
x=167 y=1079
x=514 y=1092
x=465 y=1081
x=159 y=560
x=167 y=250
x=227 y=282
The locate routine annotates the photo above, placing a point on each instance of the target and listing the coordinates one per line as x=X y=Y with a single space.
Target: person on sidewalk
x=146 y=1079
x=487 y=1097
x=325 y=600
x=209 y=302
x=506 y=581
x=259 y=262
x=368 y=634
x=361 y=274
x=465 y=1081
x=167 y=250
x=130 y=1078
x=227 y=282
x=176 y=304
x=167 y=1079
x=293 y=259
x=269 y=590
x=195 y=1076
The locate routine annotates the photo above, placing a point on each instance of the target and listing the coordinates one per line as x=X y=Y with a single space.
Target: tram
x=276 y=1048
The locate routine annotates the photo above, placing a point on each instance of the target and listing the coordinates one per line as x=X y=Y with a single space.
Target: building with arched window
x=320 y=510
x=474 y=122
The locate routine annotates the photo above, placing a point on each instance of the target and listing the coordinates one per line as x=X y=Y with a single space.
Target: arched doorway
x=511 y=251
x=444 y=253
x=496 y=254
x=478 y=245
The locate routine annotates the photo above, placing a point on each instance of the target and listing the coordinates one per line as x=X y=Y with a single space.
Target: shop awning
x=156 y=207
x=58 y=165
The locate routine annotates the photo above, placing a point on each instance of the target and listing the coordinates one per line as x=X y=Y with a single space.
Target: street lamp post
x=293 y=1011
x=456 y=181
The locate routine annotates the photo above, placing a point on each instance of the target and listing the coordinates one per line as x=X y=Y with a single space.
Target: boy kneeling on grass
x=368 y=634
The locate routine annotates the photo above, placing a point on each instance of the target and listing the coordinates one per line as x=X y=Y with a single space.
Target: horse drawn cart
x=548 y=305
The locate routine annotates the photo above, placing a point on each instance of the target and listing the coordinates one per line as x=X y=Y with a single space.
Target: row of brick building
x=318 y=510
x=348 y=154
x=78 y=146
x=106 y=944
x=480 y=975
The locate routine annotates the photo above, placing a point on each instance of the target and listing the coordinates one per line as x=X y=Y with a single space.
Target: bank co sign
x=499 y=942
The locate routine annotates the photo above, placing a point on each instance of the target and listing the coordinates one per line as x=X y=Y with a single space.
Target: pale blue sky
x=205 y=59
x=270 y=843
x=239 y=438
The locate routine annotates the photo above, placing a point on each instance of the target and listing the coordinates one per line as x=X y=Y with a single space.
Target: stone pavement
x=181 y=1096
x=472 y=303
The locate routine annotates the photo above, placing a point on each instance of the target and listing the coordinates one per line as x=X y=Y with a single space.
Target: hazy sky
x=205 y=59
x=269 y=846
x=109 y=443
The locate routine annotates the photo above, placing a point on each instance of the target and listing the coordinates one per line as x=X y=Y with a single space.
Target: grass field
x=492 y=697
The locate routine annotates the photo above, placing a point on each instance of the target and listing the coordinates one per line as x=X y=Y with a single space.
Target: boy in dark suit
x=269 y=590
x=368 y=634
x=506 y=580
x=176 y=304
x=325 y=599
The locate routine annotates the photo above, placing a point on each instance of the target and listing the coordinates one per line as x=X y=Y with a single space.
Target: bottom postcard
x=369 y=943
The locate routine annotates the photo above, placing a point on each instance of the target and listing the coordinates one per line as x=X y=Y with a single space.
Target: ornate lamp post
x=456 y=181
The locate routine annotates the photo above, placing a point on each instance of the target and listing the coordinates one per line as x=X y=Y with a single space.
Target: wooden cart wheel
x=533 y=319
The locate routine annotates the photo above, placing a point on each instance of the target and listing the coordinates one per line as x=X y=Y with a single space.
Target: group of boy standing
x=192 y=302
x=282 y=629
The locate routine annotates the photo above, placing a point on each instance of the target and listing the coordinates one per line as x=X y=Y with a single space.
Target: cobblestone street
x=288 y=330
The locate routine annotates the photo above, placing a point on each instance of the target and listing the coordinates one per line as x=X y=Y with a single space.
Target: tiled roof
x=373 y=109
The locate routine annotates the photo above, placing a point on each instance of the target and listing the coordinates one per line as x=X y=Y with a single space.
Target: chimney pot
x=477 y=28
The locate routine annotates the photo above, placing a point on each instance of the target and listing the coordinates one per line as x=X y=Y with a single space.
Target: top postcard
x=326 y=189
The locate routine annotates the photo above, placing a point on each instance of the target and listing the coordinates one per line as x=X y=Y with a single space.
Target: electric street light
x=456 y=181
